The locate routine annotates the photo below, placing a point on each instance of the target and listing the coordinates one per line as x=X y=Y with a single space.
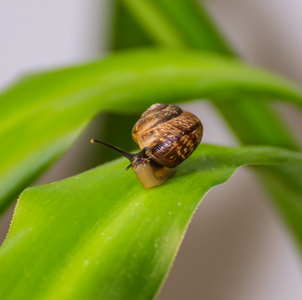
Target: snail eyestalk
x=148 y=172
x=128 y=155
x=135 y=158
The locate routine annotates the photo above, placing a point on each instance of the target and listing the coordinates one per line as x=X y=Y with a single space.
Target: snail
x=166 y=135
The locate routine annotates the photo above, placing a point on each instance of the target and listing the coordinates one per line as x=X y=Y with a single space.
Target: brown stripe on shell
x=173 y=140
x=155 y=115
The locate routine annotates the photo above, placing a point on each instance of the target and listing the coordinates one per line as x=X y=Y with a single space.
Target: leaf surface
x=100 y=235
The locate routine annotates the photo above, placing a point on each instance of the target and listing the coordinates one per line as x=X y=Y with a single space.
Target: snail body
x=166 y=135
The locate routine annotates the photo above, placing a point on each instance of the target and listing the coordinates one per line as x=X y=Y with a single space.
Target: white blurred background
x=236 y=247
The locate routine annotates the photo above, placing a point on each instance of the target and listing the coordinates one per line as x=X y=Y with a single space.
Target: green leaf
x=126 y=31
x=181 y=23
x=41 y=116
x=100 y=235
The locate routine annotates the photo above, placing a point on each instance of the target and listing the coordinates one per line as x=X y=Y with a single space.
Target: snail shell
x=170 y=134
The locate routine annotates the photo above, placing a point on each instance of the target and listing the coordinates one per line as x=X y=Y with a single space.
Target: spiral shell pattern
x=170 y=134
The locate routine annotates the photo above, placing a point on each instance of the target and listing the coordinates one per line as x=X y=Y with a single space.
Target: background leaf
x=42 y=115
x=101 y=235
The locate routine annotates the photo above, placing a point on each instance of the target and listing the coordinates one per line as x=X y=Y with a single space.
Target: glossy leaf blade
x=42 y=115
x=100 y=235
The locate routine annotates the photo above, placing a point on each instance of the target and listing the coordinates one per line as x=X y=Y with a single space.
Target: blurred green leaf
x=100 y=235
x=42 y=115
x=179 y=23
x=126 y=31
